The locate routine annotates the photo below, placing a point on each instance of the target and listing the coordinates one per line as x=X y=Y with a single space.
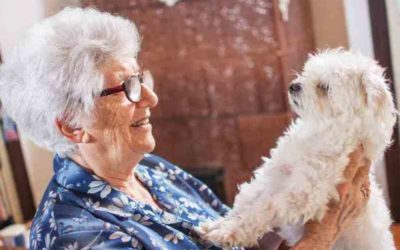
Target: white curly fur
x=295 y=184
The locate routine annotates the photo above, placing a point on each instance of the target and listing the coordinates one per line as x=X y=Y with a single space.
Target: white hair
x=54 y=72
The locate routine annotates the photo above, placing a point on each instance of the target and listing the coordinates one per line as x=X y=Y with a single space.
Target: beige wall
x=329 y=23
x=39 y=167
x=358 y=24
x=393 y=8
x=14 y=21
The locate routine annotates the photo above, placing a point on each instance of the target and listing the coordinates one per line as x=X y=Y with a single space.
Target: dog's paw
x=224 y=233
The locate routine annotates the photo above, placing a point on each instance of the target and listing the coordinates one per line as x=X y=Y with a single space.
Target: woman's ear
x=77 y=135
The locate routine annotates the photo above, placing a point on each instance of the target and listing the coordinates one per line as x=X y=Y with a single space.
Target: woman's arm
x=270 y=241
x=322 y=235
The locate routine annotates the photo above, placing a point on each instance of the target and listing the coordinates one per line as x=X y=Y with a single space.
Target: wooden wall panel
x=221 y=70
x=252 y=144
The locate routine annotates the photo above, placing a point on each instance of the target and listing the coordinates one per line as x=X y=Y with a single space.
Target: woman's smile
x=142 y=122
x=142 y=125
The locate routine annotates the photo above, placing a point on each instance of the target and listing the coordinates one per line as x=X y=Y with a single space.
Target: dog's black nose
x=295 y=88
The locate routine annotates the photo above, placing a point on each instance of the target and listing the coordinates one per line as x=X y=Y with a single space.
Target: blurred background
x=221 y=71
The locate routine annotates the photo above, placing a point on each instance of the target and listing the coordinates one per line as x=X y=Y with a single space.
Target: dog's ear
x=379 y=99
x=375 y=92
x=364 y=90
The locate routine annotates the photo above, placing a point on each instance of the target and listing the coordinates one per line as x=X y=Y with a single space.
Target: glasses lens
x=148 y=79
x=133 y=88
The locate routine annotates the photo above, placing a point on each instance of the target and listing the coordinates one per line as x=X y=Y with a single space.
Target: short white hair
x=54 y=72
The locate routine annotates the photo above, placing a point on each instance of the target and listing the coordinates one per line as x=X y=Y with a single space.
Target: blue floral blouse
x=80 y=211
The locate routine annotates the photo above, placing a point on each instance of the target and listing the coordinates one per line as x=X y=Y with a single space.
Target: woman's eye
x=323 y=87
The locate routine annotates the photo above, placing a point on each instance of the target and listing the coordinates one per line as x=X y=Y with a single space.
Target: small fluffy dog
x=342 y=101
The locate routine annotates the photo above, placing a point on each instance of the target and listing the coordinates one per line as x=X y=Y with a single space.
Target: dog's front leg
x=252 y=217
x=254 y=213
x=233 y=230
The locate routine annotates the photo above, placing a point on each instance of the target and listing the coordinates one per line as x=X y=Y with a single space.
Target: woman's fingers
x=359 y=191
x=343 y=190
x=353 y=194
x=361 y=177
x=367 y=183
x=352 y=166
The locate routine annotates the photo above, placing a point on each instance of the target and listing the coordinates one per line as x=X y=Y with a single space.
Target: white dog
x=342 y=101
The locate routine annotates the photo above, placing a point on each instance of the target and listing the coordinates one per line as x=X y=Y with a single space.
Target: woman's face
x=121 y=128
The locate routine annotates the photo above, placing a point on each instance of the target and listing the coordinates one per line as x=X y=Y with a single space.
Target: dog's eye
x=323 y=87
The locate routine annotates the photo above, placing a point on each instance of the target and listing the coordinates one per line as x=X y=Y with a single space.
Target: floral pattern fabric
x=81 y=211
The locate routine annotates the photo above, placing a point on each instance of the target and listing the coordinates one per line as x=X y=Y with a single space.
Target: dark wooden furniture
x=380 y=33
x=20 y=177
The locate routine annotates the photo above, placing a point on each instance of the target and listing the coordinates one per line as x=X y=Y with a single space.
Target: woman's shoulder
x=58 y=215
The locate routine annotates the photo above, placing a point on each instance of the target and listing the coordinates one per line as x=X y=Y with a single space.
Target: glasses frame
x=123 y=87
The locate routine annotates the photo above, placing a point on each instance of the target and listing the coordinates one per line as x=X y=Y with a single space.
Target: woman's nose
x=148 y=98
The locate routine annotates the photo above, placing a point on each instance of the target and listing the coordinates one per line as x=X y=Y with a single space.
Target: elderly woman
x=74 y=86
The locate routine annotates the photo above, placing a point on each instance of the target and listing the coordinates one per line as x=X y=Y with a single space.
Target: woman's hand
x=353 y=193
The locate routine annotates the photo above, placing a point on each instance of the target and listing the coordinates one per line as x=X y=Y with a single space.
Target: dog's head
x=342 y=84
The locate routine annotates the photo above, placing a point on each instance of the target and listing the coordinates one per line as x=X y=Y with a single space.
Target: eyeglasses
x=132 y=86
